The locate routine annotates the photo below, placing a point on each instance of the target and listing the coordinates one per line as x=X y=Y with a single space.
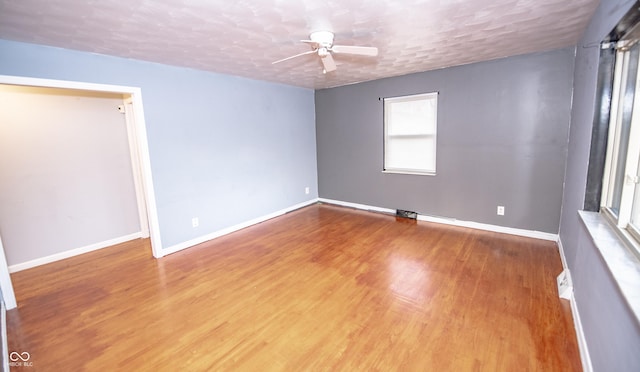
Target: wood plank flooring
x=323 y=288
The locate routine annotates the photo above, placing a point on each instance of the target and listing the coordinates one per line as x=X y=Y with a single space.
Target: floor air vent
x=406 y=214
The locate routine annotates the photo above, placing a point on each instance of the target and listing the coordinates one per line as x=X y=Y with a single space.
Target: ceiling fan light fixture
x=322 y=38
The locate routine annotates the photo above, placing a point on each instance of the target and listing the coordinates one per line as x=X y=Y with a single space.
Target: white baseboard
x=453 y=221
x=357 y=206
x=72 y=252
x=582 y=341
x=577 y=323
x=493 y=228
x=229 y=230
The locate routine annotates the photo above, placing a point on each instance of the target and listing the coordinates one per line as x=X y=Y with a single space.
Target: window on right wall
x=410 y=124
x=621 y=182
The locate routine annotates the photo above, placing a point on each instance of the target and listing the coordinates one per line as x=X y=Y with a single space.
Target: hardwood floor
x=323 y=288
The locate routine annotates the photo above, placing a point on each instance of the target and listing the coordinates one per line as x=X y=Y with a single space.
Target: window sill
x=409 y=173
x=623 y=264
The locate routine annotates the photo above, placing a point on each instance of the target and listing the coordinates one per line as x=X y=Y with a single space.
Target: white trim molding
x=73 y=252
x=585 y=358
x=493 y=228
x=216 y=234
x=582 y=340
x=5 y=341
x=8 y=296
x=452 y=221
x=64 y=84
x=363 y=207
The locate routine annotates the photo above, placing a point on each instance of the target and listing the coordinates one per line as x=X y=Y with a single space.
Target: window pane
x=417 y=154
x=625 y=127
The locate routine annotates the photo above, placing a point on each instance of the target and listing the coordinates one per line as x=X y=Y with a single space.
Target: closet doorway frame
x=139 y=145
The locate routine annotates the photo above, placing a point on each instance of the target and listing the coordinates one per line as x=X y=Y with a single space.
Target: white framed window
x=410 y=124
x=621 y=182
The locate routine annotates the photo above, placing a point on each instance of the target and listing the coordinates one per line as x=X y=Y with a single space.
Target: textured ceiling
x=243 y=37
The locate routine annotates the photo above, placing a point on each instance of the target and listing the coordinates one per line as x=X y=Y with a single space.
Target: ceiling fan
x=321 y=43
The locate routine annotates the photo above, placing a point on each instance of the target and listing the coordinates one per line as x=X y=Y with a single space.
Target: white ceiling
x=243 y=37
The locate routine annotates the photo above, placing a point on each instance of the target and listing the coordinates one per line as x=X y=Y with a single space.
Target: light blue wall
x=223 y=148
x=611 y=330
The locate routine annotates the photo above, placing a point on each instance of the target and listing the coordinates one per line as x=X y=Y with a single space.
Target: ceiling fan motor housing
x=323 y=52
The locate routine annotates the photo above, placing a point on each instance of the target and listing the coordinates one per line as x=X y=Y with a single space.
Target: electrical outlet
x=195 y=222
x=500 y=210
x=306 y=190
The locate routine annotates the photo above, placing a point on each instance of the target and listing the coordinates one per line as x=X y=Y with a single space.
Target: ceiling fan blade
x=359 y=50
x=313 y=44
x=328 y=63
x=288 y=58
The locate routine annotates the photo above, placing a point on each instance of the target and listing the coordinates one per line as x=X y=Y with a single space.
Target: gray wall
x=502 y=140
x=612 y=332
x=223 y=148
x=65 y=172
